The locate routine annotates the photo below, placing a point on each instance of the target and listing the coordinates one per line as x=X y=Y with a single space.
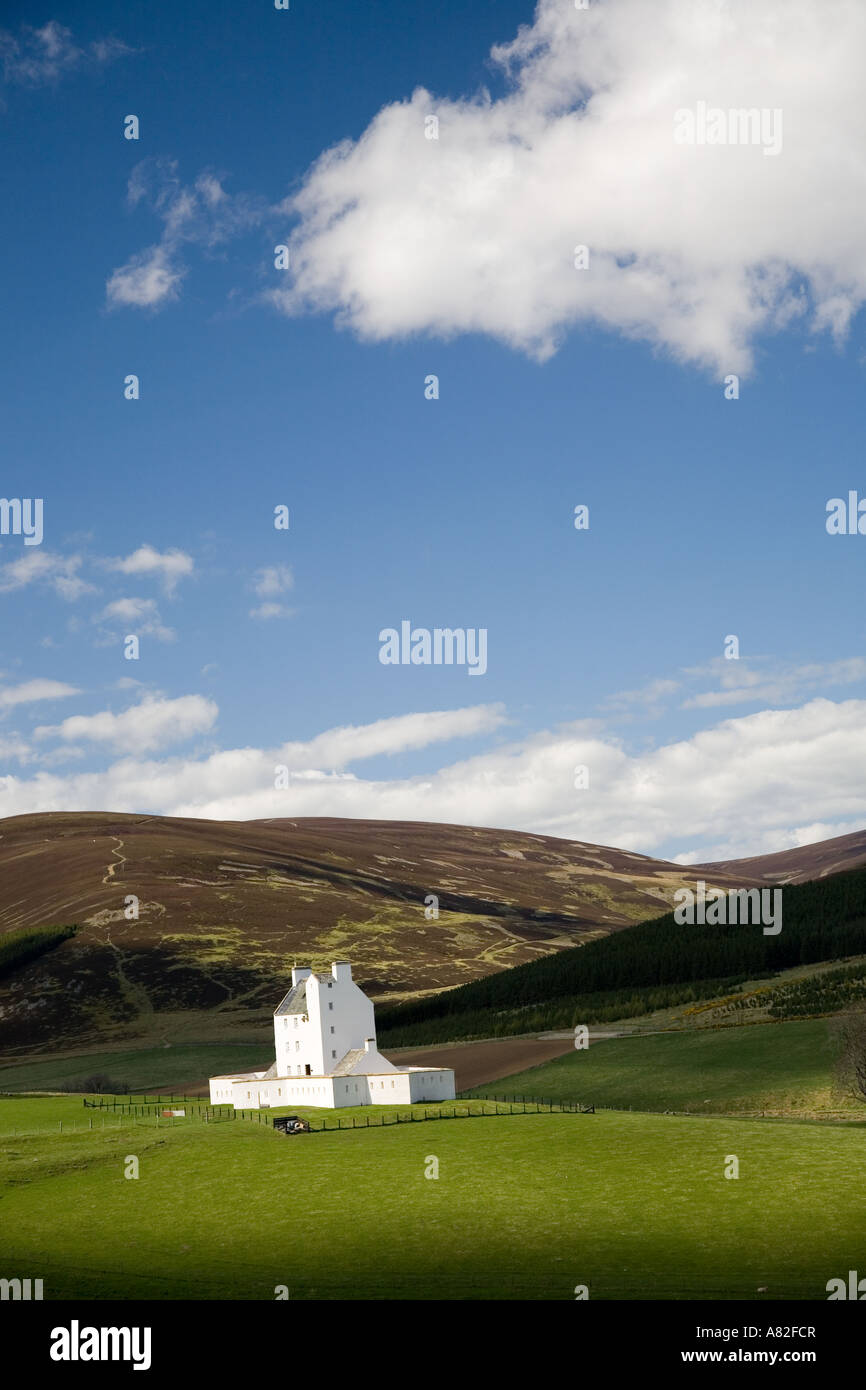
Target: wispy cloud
x=60 y=572
x=766 y=683
x=39 y=689
x=202 y=213
x=139 y=614
x=38 y=57
x=269 y=583
x=154 y=723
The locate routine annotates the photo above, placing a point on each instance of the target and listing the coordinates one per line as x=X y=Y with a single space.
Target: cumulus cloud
x=36 y=57
x=59 y=572
x=143 y=728
x=696 y=249
x=745 y=786
x=169 y=565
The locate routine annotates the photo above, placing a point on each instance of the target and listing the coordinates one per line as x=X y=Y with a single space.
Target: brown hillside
x=226 y=907
x=798 y=865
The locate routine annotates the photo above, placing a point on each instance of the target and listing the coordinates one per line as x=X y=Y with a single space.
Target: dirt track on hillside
x=477 y=1064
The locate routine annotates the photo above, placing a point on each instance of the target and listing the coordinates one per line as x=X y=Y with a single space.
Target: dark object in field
x=99 y=1083
x=290 y=1124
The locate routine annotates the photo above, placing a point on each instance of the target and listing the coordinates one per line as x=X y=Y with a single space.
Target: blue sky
x=306 y=387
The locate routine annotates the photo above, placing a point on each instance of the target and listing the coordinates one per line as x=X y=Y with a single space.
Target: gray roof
x=295 y=1001
x=345 y=1064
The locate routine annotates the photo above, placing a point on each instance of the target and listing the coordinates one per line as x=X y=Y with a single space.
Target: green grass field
x=780 y=1068
x=157 y=1069
x=525 y=1206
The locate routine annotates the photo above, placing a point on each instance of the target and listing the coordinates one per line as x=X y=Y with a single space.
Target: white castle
x=326 y=1054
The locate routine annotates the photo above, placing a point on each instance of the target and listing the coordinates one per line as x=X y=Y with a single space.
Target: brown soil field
x=474 y=1063
x=478 y=1063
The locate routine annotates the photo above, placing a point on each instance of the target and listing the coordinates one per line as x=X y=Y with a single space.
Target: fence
x=502 y=1105
x=544 y=1105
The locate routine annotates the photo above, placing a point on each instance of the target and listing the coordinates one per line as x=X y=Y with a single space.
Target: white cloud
x=273 y=579
x=697 y=249
x=263 y=611
x=14 y=747
x=745 y=786
x=649 y=697
x=169 y=565
x=268 y=583
x=202 y=213
x=40 y=56
x=143 y=728
x=148 y=279
x=139 y=614
x=740 y=684
x=40 y=689
x=60 y=572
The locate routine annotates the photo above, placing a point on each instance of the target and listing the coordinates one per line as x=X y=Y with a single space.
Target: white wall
x=407 y=1087
x=431 y=1085
x=335 y=1002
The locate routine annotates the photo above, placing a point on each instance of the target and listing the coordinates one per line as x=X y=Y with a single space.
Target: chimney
x=341 y=970
x=300 y=972
x=369 y=1044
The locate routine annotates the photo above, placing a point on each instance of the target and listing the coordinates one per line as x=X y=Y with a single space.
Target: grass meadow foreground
x=524 y=1206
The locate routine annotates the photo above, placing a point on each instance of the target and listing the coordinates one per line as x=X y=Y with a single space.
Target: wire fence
x=157 y=1111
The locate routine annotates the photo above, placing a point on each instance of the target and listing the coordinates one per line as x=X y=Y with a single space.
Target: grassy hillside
x=780 y=1068
x=634 y=1206
x=152 y=1069
x=650 y=966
